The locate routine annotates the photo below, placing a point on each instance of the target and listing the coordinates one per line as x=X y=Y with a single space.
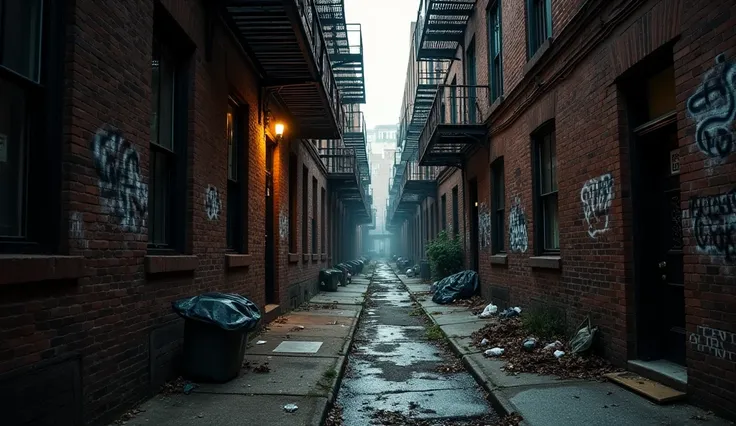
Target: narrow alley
x=397 y=368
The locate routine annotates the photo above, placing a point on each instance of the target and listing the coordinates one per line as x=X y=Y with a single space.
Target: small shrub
x=445 y=256
x=434 y=333
x=543 y=322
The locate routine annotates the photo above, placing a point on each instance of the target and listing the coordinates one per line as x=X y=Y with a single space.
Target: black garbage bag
x=462 y=285
x=227 y=311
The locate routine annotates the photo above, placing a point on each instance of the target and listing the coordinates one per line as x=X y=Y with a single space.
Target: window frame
x=495 y=59
x=237 y=189
x=166 y=34
x=305 y=209
x=293 y=203
x=313 y=217
x=539 y=137
x=498 y=207
x=455 y=211
x=443 y=212
x=535 y=39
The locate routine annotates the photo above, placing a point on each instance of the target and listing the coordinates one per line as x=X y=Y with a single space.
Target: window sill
x=500 y=259
x=25 y=268
x=537 y=55
x=546 y=262
x=160 y=264
x=315 y=257
x=324 y=256
x=305 y=257
x=293 y=258
x=238 y=260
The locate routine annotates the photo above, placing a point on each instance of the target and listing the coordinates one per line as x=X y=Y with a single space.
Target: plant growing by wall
x=445 y=256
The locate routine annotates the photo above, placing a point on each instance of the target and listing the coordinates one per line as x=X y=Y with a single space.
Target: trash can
x=424 y=271
x=330 y=279
x=215 y=334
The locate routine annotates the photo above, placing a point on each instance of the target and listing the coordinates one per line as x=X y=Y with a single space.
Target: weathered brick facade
x=590 y=80
x=92 y=318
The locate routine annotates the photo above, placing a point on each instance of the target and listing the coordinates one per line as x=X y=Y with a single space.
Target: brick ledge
x=499 y=259
x=159 y=264
x=293 y=258
x=235 y=260
x=546 y=262
x=28 y=268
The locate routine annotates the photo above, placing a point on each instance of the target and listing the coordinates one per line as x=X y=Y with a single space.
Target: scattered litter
x=494 y=352
x=188 y=388
x=261 y=342
x=529 y=344
x=410 y=273
x=554 y=345
x=489 y=311
x=200 y=416
x=290 y=408
x=583 y=340
x=297 y=328
x=263 y=368
x=559 y=354
x=462 y=285
x=484 y=342
x=510 y=312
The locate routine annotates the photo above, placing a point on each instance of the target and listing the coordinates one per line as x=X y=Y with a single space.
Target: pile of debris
x=504 y=337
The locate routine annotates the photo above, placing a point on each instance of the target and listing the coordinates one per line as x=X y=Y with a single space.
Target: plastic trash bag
x=559 y=354
x=510 y=313
x=462 y=285
x=227 y=311
x=489 y=311
x=494 y=352
x=583 y=340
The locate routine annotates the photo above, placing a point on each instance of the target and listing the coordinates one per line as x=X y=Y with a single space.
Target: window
x=546 y=182
x=494 y=51
x=323 y=225
x=453 y=101
x=539 y=24
x=314 y=215
x=167 y=166
x=443 y=211
x=305 y=210
x=293 y=207
x=471 y=81
x=31 y=85
x=237 y=181
x=455 y=212
x=498 y=208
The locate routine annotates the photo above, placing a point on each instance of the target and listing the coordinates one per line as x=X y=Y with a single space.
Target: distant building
x=382 y=144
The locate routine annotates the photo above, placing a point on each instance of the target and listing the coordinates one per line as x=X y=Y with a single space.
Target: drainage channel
x=398 y=370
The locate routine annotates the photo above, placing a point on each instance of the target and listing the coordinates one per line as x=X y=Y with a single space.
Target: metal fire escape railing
x=350 y=182
x=440 y=27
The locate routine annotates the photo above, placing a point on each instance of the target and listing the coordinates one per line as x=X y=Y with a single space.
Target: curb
x=319 y=418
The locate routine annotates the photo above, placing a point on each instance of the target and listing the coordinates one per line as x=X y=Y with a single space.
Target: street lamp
x=279 y=127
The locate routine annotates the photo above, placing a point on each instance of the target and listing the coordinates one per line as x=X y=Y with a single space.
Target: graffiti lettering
x=714 y=223
x=212 y=203
x=76 y=230
x=713 y=107
x=283 y=225
x=718 y=343
x=518 y=238
x=596 y=196
x=122 y=191
x=484 y=226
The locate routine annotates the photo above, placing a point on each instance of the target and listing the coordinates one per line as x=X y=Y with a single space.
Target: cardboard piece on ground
x=657 y=392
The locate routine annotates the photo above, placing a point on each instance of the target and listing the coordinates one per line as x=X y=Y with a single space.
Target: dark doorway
x=473 y=207
x=270 y=256
x=657 y=233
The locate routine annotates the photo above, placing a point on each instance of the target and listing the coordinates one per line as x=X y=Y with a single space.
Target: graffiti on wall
x=212 y=203
x=597 y=195
x=484 y=226
x=713 y=107
x=718 y=343
x=283 y=225
x=518 y=238
x=714 y=223
x=122 y=191
x=76 y=230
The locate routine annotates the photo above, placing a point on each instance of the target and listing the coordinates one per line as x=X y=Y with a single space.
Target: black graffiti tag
x=714 y=223
x=713 y=107
x=122 y=190
x=212 y=203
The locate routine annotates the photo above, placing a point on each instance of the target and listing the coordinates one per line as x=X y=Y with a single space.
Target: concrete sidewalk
x=547 y=400
x=309 y=380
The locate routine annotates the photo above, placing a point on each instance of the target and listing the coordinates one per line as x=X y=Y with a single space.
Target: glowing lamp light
x=279 y=129
x=476 y=204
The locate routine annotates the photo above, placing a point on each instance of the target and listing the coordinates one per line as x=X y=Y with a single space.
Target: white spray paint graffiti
x=122 y=191
x=713 y=107
x=518 y=237
x=484 y=226
x=212 y=203
x=718 y=343
x=714 y=223
x=76 y=230
x=597 y=195
x=283 y=225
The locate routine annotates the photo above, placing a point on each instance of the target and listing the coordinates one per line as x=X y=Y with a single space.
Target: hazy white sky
x=386 y=25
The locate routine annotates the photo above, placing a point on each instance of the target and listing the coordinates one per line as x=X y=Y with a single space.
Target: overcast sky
x=386 y=25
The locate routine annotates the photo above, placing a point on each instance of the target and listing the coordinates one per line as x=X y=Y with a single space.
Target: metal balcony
x=345 y=46
x=418 y=182
x=345 y=179
x=440 y=27
x=285 y=40
x=455 y=126
x=355 y=136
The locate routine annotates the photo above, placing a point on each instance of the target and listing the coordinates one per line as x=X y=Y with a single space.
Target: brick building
x=584 y=153
x=153 y=150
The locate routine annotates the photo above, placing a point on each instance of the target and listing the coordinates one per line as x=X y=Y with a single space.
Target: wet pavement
x=393 y=365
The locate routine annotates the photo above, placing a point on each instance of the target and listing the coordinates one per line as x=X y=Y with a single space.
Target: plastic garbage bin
x=424 y=270
x=215 y=334
x=330 y=278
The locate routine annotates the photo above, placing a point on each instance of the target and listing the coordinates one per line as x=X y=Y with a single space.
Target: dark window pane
x=231 y=125
x=12 y=159
x=551 y=229
x=163 y=83
x=21 y=35
x=159 y=198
